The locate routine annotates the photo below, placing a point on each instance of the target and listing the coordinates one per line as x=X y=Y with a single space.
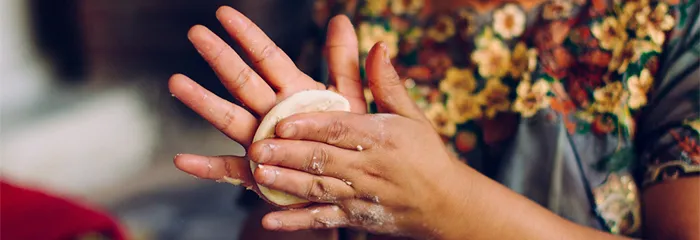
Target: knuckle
x=269 y=50
x=322 y=223
x=317 y=189
x=247 y=28
x=337 y=131
x=243 y=78
x=319 y=160
x=372 y=169
x=316 y=223
x=227 y=120
x=344 y=77
x=216 y=57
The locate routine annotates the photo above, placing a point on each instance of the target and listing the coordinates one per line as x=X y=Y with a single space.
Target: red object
x=27 y=214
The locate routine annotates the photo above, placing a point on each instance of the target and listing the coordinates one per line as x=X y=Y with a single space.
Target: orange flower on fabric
x=465 y=141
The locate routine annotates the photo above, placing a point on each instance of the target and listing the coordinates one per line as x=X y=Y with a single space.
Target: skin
x=403 y=182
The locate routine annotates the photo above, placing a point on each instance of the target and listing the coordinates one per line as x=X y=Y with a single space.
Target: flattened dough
x=301 y=102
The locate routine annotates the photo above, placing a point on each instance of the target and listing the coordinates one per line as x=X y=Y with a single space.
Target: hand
x=386 y=173
x=275 y=78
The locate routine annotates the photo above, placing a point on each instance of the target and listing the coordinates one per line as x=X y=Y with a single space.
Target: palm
x=275 y=77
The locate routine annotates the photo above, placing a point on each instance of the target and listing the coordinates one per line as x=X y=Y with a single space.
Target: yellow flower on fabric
x=654 y=23
x=493 y=59
x=443 y=29
x=630 y=9
x=406 y=6
x=370 y=34
x=487 y=36
x=639 y=86
x=463 y=107
x=694 y=124
x=509 y=21
x=458 y=81
x=609 y=99
x=628 y=53
x=642 y=82
x=414 y=34
x=531 y=97
x=630 y=6
x=369 y=97
x=494 y=97
x=437 y=115
x=557 y=9
x=375 y=7
x=610 y=33
x=524 y=60
x=468 y=19
x=637 y=100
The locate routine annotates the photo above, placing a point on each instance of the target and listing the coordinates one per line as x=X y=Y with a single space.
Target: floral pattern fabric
x=575 y=104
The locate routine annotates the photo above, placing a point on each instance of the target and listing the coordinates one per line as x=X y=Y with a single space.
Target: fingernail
x=269 y=175
x=385 y=51
x=274 y=224
x=288 y=131
x=265 y=153
x=227 y=16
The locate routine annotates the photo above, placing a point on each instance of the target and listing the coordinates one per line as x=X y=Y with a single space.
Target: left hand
x=270 y=78
x=385 y=173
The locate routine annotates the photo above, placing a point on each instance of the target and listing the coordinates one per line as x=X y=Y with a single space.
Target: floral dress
x=577 y=105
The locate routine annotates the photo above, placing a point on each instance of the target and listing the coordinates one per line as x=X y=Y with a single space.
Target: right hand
x=275 y=78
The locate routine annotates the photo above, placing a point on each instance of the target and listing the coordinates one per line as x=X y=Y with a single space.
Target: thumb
x=390 y=95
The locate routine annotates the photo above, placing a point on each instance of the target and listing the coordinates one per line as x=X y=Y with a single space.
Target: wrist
x=455 y=206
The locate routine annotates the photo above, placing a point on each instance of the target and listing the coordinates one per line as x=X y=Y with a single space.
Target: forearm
x=486 y=209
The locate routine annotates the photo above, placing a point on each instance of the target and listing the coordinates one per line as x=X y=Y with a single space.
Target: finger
x=318 y=217
x=275 y=66
x=314 y=188
x=233 y=72
x=389 y=92
x=232 y=169
x=231 y=119
x=311 y=157
x=341 y=129
x=343 y=62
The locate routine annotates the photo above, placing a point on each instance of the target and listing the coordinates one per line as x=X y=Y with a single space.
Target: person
x=32 y=213
x=523 y=119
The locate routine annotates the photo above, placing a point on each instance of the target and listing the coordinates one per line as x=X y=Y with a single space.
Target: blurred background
x=86 y=113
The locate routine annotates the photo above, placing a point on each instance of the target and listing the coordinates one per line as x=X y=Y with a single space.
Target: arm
x=667 y=144
x=401 y=182
x=504 y=214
